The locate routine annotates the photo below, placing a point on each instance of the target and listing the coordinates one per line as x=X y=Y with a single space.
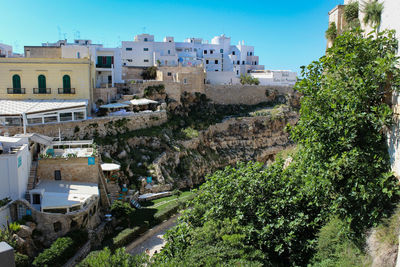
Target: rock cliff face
x=257 y=138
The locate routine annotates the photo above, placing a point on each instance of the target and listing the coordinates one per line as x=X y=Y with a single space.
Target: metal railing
x=66 y=90
x=15 y=90
x=42 y=90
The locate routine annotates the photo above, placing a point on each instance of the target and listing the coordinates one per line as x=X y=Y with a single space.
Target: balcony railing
x=66 y=90
x=104 y=66
x=15 y=90
x=42 y=90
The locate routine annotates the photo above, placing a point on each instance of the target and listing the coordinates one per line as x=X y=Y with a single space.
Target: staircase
x=114 y=191
x=31 y=180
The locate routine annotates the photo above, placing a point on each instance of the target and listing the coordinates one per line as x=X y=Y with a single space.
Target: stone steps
x=31 y=179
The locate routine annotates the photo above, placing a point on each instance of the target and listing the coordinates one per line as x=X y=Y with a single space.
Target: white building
x=5 y=50
x=107 y=60
x=15 y=162
x=230 y=61
x=275 y=77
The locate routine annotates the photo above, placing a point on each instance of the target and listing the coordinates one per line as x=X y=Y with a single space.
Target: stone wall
x=245 y=94
x=105 y=94
x=95 y=127
x=87 y=217
x=132 y=73
x=5 y=216
x=72 y=169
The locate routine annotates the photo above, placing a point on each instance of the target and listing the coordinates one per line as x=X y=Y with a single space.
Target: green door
x=42 y=84
x=66 y=84
x=16 y=84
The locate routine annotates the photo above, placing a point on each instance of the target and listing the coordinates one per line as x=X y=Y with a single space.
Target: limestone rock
x=24 y=231
x=123 y=154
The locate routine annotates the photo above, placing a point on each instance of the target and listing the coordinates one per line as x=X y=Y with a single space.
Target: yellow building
x=47 y=78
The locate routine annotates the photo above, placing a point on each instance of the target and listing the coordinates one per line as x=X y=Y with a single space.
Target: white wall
x=275 y=77
x=5 y=216
x=219 y=77
x=14 y=178
x=6 y=50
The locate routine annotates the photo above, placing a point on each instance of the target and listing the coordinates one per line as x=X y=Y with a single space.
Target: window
x=79 y=115
x=146 y=60
x=216 y=61
x=36 y=199
x=169 y=74
x=57 y=226
x=205 y=51
x=221 y=50
x=207 y=61
x=66 y=116
x=34 y=120
x=184 y=81
x=66 y=83
x=243 y=62
x=216 y=70
x=128 y=49
x=78 y=55
x=237 y=72
x=42 y=83
x=251 y=53
x=145 y=39
x=211 y=51
x=238 y=62
x=16 y=80
x=129 y=60
x=255 y=62
x=233 y=52
x=169 y=52
x=145 y=49
x=57 y=175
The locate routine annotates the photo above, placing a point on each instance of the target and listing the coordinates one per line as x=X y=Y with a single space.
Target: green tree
x=331 y=33
x=247 y=79
x=373 y=13
x=351 y=15
x=105 y=258
x=149 y=73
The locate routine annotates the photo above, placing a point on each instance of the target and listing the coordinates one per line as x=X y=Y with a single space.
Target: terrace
x=70 y=149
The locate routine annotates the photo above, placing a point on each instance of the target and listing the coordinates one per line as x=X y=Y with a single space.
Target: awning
x=115 y=105
x=110 y=167
x=142 y=101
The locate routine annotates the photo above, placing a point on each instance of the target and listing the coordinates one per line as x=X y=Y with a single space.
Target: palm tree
x=373 y=13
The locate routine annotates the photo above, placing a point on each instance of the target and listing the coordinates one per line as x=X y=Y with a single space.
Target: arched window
x=66 y=82
x=16 y=80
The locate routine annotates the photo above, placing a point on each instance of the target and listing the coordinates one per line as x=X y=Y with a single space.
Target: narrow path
x=152 y=239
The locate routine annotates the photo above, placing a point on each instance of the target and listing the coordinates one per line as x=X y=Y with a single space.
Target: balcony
x=15 y=90
x=66 y=91
x=104 y=66
x=42 y=90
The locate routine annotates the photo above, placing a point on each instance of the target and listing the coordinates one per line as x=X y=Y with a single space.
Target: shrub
x=149 y=73
x=104 y=258
x=14 y=227
x=121 y=209
x=128 y=235
x=247 y=79
x=154 y=89
x=58 y=254
x=21 y=260
x=351 y=11
x=331 y=32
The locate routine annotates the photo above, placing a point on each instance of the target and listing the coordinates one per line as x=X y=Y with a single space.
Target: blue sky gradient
x=286 y=34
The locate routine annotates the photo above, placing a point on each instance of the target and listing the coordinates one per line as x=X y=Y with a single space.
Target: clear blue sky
x=286 y=34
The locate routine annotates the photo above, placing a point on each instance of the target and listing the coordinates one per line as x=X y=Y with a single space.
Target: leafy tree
x=341 y=168
x=150 y=73
x=373 y=13
x=104 y=258
x=351 y=15
x=247 y=79
x=331 y=33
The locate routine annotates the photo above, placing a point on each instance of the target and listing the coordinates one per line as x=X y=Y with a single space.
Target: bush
x=351 y=12
x=104 y=258
x=127 y=236
x=154 y=89
x=21 y=260
x=62 y=249
x=58 y=254
x=149 y=73
x=121 y=209
x=331 y=32
x=247 y=79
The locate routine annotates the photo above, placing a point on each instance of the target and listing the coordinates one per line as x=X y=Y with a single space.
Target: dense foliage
x=61 y=250
x=331 y=32
x=149 y=73
x=105 y=258
x=247 y=79
x=340 y=169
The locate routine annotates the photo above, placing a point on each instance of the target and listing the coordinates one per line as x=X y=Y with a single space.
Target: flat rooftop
x=64 y=194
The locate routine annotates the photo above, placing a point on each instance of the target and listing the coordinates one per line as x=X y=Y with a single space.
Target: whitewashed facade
x=217 y=56
x=5 y=50
x=275 y=77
